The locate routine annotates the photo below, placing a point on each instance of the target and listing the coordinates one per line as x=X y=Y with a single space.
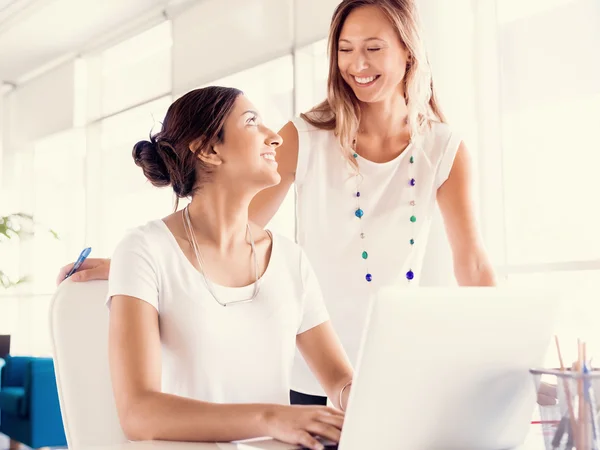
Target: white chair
x=79 y=335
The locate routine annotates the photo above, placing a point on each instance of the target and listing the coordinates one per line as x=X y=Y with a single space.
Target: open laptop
x=446 y=368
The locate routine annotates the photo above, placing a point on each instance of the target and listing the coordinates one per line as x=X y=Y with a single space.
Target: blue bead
x=413 y=182
x=369 y=277
x=359 y=213
x=412 y=242
x=410 y=275
x=358 y=194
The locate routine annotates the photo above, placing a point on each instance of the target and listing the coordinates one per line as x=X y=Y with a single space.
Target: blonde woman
x=368 y=165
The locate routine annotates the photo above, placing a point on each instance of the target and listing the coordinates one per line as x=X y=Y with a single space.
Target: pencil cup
x=569 y=408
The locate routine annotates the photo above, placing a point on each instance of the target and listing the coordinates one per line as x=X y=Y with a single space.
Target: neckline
x=190 y=266
x=369 y=163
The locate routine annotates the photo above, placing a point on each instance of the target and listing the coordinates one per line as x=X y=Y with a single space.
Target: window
x=129 y=87
x=550 y=105
x=311 y=70
x=550 y=98
x=269 y=86
x=137 y=70
x=58 y=204
x=54 y=185
x=578 y=315
x=126 y=198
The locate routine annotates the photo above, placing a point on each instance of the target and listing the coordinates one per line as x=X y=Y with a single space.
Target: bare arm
x=146 y=413
x=264 y=206
x=471 y=263
x=324 y=354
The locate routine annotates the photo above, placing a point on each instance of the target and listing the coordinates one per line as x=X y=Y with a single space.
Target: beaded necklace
x=359 y=212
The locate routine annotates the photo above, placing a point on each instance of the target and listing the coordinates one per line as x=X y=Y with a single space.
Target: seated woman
x=206 y=308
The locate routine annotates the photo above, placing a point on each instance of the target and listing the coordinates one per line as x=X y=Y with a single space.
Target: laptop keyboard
x=327 y=447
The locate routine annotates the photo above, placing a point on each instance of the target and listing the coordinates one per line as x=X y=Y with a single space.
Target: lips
x=269 y=156
x=364 y=81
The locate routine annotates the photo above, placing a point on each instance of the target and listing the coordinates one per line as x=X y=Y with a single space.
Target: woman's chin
x=275 y=179
x=367 y=97
x=269 y=180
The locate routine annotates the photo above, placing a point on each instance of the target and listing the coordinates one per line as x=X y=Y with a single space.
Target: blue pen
x=84 y=254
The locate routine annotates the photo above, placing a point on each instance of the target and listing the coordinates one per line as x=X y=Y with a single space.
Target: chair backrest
x=79 y=335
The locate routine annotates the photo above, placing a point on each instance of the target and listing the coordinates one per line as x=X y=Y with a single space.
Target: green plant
x=16 y=226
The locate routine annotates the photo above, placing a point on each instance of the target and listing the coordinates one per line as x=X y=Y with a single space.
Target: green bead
x=355 y=155
x=365 y=255
x=413 y=219
x=412 y=159
x=412 y=242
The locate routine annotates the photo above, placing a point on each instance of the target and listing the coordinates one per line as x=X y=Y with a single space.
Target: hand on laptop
x=298 y=424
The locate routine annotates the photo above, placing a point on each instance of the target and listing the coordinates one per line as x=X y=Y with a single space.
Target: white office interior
x=82 y=81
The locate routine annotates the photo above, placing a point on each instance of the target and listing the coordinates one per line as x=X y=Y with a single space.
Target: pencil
x=567 y=393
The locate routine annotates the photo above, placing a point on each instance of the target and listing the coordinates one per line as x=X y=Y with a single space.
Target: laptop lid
x=448 y=368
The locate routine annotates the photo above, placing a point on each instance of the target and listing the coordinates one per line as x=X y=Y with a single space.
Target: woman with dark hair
x=207 y=308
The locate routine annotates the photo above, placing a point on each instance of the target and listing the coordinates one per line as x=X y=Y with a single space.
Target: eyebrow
x=250 y=111
x=367 y=39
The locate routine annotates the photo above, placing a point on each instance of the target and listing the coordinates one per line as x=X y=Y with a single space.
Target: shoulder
x=438 y=134
x=286 y=246
x=139 y=239
x=441 y=144
x=312 y=142
x=303 y=124
x=294 y=260
x=441 y=138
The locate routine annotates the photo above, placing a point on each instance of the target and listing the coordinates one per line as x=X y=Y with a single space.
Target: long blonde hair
x=341 y=110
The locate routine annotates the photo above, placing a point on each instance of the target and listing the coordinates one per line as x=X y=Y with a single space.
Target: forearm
x=475 y=273
x=158 y=416
x=324 y=354
x=335 y=394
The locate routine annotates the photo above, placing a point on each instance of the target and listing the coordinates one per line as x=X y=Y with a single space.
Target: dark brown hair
x=193 y=123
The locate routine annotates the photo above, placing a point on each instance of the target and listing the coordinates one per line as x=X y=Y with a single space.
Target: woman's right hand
x=299 y=424
x=91 y=269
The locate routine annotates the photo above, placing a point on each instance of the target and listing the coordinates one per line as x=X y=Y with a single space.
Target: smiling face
x=247 y=151
x=371 y=57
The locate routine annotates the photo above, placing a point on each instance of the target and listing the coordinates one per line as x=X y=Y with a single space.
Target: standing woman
x=368 y=165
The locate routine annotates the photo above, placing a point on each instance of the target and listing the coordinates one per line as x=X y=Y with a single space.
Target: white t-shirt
x=236 y=354
x=329 y=232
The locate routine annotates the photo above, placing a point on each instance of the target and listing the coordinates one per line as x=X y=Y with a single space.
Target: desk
x=534 y=442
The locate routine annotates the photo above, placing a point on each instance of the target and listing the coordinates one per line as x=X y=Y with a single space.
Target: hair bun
x=147 y=155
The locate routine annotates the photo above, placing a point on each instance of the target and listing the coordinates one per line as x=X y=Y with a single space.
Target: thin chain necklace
x=359 y=213
x=187 y=224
